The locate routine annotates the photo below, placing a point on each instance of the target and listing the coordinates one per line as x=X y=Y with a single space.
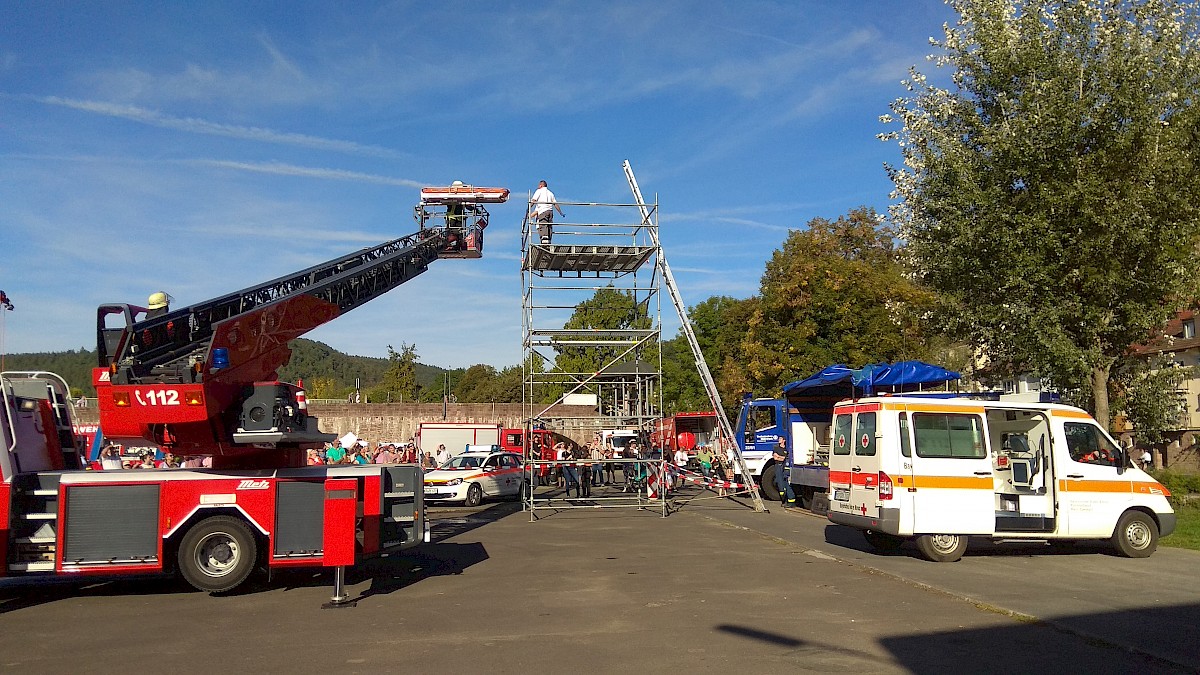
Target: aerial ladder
x=710 y=387
x=202 y=379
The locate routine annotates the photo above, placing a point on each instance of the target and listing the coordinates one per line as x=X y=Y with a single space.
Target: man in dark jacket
x=782 y=480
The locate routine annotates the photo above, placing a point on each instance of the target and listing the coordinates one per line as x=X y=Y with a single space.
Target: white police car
x=474 y=475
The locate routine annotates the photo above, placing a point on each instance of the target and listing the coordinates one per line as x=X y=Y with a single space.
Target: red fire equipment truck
x=201 y=381
x=686 y=430
x=514 y=440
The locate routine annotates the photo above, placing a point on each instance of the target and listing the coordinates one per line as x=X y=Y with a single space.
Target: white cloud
x=281 y=169
x=200 y=126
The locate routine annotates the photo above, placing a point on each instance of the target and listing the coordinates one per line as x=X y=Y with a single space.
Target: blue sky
x=200 y=148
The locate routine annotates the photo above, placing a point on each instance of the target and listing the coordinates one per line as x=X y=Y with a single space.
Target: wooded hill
x=311 y=361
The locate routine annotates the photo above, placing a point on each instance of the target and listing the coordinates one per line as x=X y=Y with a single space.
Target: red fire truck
x=202 y=381
x=513 y=440
x=686 y=430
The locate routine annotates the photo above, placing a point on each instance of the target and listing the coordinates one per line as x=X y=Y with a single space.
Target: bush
x=1180 y=484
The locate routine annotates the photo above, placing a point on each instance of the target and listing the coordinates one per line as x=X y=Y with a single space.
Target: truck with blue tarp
x=803 y=417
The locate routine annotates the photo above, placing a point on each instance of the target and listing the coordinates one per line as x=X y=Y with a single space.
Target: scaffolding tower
x=591 y=328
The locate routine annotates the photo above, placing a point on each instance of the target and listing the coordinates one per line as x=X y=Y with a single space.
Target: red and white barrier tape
x=712 y=482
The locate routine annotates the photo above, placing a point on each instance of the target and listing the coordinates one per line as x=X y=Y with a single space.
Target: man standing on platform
x=544 y=205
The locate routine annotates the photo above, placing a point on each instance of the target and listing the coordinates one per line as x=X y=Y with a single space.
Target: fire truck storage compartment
x=299 y=518
x=111 y=524
x=403 y=496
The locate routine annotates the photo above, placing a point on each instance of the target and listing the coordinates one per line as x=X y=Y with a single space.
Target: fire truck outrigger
x=202 y=380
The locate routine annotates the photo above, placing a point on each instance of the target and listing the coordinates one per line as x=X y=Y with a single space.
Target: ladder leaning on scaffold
x=714 y=397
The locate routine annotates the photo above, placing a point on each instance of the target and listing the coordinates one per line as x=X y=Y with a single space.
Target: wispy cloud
x=736 y=216
x=751 y=223
x=274 y=168
x=281 y=169
x=200 y=126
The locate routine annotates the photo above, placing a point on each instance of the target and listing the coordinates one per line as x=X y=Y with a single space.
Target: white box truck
x=456 y=436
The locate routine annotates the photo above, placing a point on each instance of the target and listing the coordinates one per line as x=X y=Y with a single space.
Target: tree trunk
x=1100 y=394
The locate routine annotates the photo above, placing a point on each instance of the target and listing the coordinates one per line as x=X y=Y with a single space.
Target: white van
x=939 y=470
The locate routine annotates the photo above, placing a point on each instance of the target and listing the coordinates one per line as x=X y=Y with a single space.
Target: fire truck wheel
x=806 y=498
x=768 y=489
x=882 y=541
x=217 y=554
x=942 y=547
x=1136 y=535
x=474 y=495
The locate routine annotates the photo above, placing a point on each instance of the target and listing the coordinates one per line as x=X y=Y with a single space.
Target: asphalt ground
x=713 y=587
x=1148 y=606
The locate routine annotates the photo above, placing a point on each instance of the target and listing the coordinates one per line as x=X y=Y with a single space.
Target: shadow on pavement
x=831 y=657
x=851 y=538
x=385 y=574
x=29 y=592
x=762 y=636
x=1028 y=647
x=447 y=524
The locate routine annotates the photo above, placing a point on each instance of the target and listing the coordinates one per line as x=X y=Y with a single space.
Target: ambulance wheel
x=1136 y=535
x=768 y=489
x=217 y=554
x=882 y=541
x=942 y=547
x=474 y=495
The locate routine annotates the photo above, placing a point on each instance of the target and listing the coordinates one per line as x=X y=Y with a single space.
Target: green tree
x=1146 y=393
x=399 y=381
x=474 y=384
x=836 y=292
x=505 y=387
x=681 y=388
x=719 y=324
x=607 y=309
x=321 y=387
x=1051 y=193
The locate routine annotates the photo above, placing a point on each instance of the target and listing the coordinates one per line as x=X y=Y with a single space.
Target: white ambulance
x=937 y=471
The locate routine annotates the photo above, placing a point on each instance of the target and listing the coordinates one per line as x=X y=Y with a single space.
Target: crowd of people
x=112 y=457
x=565 y=464
x=365 y=452
x=579 y=468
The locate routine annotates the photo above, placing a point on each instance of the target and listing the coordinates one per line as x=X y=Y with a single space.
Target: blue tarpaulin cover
x=840 y=379
x=828 y=380
x=905 y=374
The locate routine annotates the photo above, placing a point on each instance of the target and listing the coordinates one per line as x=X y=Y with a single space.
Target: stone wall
x=399 y=421
x=1179 y=450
